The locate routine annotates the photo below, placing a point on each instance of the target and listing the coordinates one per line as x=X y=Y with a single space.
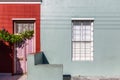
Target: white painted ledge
x=20 y=2
x=23 y=18
x=82 y=18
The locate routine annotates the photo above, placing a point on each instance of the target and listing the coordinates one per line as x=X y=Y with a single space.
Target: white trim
x=6 y=74
x=24 y=19
x=20 y=2
x=34 y=37
x=82 y=18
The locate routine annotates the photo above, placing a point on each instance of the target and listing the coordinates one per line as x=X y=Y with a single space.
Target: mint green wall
x=56 y=35
x=39 y=71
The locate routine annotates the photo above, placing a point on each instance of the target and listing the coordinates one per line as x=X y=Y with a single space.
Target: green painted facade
x=37 y=70
x=56 y=35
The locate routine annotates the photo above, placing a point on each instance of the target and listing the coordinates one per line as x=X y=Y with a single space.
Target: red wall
x=9 y=11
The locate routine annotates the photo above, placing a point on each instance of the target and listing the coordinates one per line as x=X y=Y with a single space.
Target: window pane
x=83 y=55
x=88 y=45
x=87 y=55
x=86 y=23
x=82 y=45
x=76 y=27
x=21 y=27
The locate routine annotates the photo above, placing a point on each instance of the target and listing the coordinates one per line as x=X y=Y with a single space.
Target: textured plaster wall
x=56 y=35
x=7 y=13
x=43 y=71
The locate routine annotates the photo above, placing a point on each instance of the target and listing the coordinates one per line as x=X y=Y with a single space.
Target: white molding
x=20 y=2
x=23 y=18
x=35 y=38
x=82 y=19
x=6 y=74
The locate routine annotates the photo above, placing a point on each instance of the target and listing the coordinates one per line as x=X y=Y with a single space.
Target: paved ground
x=15 y=77
x=24 y=77
x=95 y=78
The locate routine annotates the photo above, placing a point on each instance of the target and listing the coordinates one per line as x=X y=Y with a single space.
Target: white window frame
x=78 y=52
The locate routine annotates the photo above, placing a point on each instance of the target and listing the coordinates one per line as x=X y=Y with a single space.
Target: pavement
x=15 y=77
x=96 y=78
x=24 y=77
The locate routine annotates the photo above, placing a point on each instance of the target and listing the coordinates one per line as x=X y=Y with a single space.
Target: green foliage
x=15 y=38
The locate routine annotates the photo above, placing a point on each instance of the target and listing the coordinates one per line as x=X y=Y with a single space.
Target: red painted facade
x=7 y=13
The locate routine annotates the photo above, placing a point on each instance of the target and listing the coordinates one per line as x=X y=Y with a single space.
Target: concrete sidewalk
x=95 y=78
x=15 y=77
x=24 y=77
